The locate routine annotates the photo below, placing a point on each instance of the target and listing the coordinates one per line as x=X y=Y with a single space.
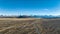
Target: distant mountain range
x=46 y=16
x=39 y=16
x=34 y=16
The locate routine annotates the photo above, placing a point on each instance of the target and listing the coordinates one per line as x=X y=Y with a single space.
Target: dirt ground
x=26 y=26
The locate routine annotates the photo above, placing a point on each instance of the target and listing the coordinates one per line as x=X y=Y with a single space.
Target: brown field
x=26 y=26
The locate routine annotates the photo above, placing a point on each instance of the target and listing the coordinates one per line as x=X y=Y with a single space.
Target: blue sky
x=29 y=7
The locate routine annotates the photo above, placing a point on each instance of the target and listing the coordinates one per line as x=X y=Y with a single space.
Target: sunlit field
x=26 y=26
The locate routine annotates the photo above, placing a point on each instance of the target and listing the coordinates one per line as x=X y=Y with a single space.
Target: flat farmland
x=26 y=26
